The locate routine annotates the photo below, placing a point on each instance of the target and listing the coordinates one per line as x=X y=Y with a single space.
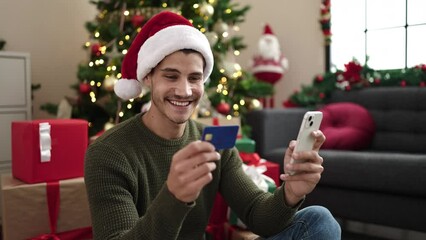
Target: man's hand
x=308 y=173
x=191 y=170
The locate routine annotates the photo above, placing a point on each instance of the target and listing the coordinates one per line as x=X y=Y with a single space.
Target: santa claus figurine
x=269 y=64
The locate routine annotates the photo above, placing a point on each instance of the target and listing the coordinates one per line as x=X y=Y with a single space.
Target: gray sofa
x=384 y=184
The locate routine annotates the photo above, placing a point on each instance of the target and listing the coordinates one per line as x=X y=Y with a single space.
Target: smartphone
x=305 y=141
x=222 y=137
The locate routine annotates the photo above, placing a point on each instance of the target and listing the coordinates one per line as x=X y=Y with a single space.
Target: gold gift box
x=25 y=211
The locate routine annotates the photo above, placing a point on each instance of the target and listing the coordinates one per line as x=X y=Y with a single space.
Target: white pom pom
x=128 y=88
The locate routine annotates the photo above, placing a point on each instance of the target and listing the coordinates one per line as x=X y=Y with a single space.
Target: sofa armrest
x=274 y=128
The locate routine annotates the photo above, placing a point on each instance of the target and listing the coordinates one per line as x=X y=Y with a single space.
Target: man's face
x=176 y=86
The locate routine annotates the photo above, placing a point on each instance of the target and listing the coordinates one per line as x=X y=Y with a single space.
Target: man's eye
x=171 y=76
x=195 y=79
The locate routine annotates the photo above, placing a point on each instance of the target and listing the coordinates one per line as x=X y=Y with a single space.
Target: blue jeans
x=314 y=222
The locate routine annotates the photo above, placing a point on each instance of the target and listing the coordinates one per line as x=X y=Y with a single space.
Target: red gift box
x=48 y=150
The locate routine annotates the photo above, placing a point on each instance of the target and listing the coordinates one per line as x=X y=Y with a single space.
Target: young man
x=152 y=178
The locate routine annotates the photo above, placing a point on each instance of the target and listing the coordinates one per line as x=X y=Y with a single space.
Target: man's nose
x=183 y=88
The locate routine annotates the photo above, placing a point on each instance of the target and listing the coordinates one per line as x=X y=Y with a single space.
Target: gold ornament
x=212 y=38
x=109 y=83
x=254 y=104
x=220 y=27
x=206 y=10
x=108 y=125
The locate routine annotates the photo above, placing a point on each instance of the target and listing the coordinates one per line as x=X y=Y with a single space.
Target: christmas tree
x=230 y=91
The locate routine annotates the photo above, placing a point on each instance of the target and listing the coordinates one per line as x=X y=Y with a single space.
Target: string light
x=126 y=13
x=164 y=5
x=121 y=114
x=228 y=11
x=242 y=102
x=99 y=84
x=124 y=51
x=236 y=107
x=92 y=83
x=97 y=34
x=196 y=5
x=237 y=53
x=91 y=64
x=87 y=44
x=129 y=106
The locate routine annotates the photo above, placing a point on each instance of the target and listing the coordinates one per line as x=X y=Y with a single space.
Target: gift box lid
x=246 y=145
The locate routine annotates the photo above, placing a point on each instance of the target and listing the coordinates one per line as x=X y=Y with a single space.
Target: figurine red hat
x=163 y=34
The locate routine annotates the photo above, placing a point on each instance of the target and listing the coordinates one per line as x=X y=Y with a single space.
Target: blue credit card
x=222 y=137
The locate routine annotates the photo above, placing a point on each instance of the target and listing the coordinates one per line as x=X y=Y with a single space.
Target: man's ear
x=147 y=80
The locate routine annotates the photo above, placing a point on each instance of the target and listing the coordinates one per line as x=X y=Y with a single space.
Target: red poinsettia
x=352 y=72
x=289 y=104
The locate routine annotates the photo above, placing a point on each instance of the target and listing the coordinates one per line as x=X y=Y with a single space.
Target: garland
x=325 y=21
x=354 y=77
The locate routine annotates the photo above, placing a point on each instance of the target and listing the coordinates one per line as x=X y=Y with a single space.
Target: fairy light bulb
x=126 y=13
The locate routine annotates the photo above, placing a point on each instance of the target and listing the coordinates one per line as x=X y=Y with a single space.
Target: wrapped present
x=246 y=145
x=215 y=231
x=48 y=150
x=54 y=210
x=217 y=218
x=237 y=233
x=265 y=183
x=272 y=169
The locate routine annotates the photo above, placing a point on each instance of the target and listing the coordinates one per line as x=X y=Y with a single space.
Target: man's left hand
x=307 y=171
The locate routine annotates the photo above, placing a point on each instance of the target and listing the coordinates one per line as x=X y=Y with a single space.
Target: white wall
x=53 y=32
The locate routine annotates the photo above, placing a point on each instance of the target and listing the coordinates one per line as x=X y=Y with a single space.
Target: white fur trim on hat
x=128 y=88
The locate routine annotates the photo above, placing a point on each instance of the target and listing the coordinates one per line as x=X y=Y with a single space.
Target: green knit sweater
x=125 y=174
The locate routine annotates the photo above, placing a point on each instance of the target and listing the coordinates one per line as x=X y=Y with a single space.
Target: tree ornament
x=220 y=27
x=212 y=38
x=269 y=64
x=206 y=10
x=109 y=83
x=204 y=112
x=254 y=104
x=96 y=49
x=108 y=125
x=223 y=108
x=84 y=88
x=137 y=20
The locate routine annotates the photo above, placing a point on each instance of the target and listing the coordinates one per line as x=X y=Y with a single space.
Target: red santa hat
x=268 y=30
x=162 y=35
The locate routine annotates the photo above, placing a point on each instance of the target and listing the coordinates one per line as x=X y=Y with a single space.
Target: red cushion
x=347 y=126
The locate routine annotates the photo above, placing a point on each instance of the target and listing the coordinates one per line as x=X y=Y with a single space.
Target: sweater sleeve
x=265 y=214
x=112 y=189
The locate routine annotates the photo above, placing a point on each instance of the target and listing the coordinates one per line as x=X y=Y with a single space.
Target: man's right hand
x=191 y=169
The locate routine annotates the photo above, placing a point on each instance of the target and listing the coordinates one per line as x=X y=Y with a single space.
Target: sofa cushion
x=386 y=172
x=347 y=126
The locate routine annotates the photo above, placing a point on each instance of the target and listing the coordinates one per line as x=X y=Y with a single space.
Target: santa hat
x=268 y=30
x=162 y=35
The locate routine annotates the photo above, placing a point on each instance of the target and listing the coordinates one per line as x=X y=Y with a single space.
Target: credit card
x=222 y=137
